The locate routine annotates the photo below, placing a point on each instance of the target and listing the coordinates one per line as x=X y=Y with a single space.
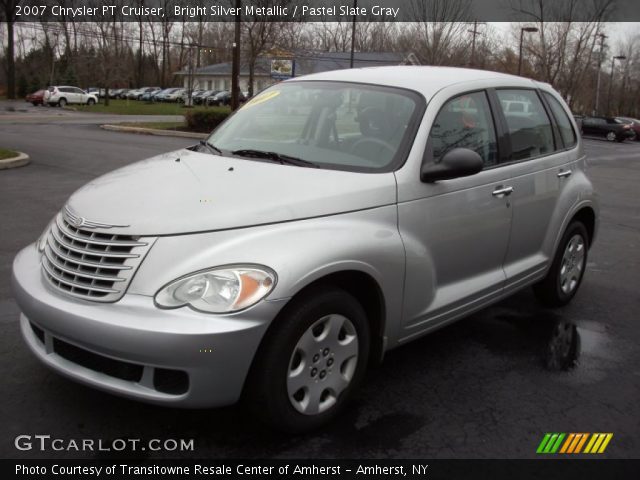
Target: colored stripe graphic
x=573 y=443
x=543 y=443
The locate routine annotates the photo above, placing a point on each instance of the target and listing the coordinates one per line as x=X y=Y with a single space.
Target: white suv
x=61 y=96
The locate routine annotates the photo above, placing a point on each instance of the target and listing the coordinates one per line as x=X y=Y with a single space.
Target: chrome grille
x=92 y=265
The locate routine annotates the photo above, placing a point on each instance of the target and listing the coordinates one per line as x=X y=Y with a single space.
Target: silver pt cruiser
x=332 y=218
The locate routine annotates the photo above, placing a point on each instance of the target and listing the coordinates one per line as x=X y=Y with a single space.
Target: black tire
x=549 y=290
x=62 y=102
x=91 y=101
x=265 y=391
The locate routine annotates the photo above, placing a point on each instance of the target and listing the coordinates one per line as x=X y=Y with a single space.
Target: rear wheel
x=311 y=362
x=567 y=270
x=611 y=136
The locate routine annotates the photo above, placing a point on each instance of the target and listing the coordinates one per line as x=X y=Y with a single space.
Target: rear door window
x=529 y=130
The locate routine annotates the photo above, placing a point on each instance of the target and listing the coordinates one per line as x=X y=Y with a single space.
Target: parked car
x=160 y=96
x=123 y=93
x=224 y=98
x=609 y=127
x=199 y=98
x=148 y=93
x=63 y=95
x=312 y=244
x=220 y=98
x=634 y=123
x=133 y=94
x=185 y=95
x=115 y=92
x=36 y=98
x=174 y=96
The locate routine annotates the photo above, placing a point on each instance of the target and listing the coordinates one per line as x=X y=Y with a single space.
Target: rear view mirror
x=458 y=162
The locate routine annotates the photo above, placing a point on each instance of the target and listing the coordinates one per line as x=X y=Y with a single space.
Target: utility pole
x=474 y=32
x=353 y=33
x=602 y=39
x=235 y=65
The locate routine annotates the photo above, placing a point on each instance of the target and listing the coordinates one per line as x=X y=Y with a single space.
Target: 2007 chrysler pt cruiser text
x=332 y=218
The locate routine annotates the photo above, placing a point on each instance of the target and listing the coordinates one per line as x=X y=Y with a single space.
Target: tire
x=91 y=101
x=62 y=102
x=567 y=270
x=35 y=104
x=612 y=137
x=320 y=343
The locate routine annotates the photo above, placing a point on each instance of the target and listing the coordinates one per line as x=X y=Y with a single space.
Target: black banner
x=546 y=468
x=327 y=10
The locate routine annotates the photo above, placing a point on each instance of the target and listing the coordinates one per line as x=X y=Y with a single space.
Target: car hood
x=186 y=191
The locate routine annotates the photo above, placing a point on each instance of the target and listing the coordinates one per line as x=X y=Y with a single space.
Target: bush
x=205 y=121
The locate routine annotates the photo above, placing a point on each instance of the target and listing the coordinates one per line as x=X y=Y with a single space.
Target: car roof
x=424 y=79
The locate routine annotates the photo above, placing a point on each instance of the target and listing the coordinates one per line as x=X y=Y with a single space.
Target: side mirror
x=458 y=162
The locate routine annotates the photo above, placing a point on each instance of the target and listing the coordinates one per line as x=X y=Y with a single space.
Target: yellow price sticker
x=265 y=97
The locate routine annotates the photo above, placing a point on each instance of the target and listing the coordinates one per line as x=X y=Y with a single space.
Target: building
x=218 y=76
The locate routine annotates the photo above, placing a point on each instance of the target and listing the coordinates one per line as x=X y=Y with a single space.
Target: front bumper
x=213 y=352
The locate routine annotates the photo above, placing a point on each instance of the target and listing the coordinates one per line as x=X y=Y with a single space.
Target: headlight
x=219 y=290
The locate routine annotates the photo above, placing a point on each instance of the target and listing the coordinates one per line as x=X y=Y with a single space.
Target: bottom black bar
x=544 y=468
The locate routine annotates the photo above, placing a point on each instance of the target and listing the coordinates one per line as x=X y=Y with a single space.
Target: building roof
x=309 y=62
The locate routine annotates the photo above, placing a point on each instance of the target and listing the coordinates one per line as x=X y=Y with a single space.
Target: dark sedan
x=611 y=128
x=37 y=98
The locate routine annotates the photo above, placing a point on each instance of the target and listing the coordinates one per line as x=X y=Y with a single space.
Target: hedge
x=204 y=121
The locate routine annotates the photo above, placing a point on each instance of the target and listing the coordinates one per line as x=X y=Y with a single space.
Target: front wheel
x=62 y=103
x=310 y=362
x=91 y=101
x=567 y=270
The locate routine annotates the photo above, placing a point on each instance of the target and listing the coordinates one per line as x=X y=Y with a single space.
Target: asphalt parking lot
x=477 y=389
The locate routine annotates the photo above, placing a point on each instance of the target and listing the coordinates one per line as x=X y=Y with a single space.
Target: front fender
x=300 y=252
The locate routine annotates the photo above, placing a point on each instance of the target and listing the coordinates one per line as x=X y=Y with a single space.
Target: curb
x=14 y=162
x=153 y=131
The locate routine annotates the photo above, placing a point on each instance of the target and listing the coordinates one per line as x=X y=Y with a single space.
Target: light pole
x=597 y=103
x=522 y=30
x=613 y=59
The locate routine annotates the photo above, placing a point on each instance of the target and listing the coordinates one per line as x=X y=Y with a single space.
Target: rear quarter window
x=567 y=133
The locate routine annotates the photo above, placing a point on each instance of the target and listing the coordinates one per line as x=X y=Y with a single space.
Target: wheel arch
x=363 y=287
x=587 y=216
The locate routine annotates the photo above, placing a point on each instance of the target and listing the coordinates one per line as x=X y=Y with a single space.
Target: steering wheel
x=372 y=141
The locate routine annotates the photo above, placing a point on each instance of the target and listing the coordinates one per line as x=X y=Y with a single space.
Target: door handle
x=564 y=173
x=501 y=191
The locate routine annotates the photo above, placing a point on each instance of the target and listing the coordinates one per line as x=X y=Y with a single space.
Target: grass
x=136 y=107
x=4 y=153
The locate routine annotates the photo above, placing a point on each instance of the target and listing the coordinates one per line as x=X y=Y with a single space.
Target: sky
x=617 y=31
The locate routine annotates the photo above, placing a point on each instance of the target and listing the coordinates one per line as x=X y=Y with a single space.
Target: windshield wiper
x=211 y=147
x=276 y=157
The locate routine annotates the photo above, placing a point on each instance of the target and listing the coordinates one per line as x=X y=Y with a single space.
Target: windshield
x=332 y=124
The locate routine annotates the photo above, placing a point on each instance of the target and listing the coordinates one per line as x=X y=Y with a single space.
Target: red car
x=635 y=125
x=37 y=98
